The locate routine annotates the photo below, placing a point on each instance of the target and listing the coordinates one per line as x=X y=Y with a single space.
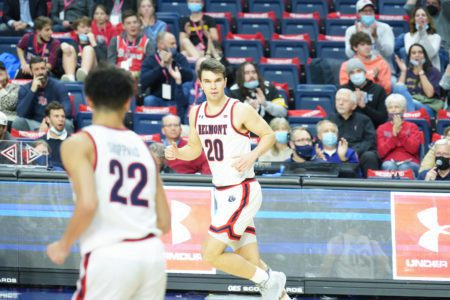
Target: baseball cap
x=355 y=63
x=363 y=3
x=3 y=119
x=2 y=66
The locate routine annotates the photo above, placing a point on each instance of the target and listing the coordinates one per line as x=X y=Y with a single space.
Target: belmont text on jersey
x=212 y=129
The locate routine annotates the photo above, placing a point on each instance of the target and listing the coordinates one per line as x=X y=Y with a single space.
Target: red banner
x=421 y=236
x=191 y=210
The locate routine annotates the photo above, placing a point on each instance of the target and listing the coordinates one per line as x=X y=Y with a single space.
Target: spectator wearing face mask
x=280 y=151
x=439 y=10
x=429 y=158
x=251 y=88
x=419 y=81
x=370 y=96
x=441 y=168
x=445 y=80
x=330 y=148
x=423 y=32
x=301 y=143
x=398 y=141
x=381 y=33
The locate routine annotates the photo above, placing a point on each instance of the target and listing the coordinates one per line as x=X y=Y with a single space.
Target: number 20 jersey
x=223 y=143
x=125 y=181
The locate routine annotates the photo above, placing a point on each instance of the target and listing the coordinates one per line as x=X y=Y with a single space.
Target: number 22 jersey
x=223 y=143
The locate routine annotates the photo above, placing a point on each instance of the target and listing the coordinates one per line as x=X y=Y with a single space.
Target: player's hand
x=57 y=252
x=244 y=162
x=171 y=152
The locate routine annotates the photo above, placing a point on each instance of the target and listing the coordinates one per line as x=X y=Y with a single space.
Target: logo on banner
x=32 y=154
x=191 y=216
x=421 y=236
x=10 y=153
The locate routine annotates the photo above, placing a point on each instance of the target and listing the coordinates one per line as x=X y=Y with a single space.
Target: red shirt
x=107 y=32
x=198 y=165
x=401 y=147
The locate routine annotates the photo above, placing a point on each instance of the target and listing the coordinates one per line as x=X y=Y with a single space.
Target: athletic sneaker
x=273 y=287
x=67 y=78
x=81 y=75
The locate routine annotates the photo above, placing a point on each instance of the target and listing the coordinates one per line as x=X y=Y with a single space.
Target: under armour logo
x=231 y=198
x=430 y=239
x=180 y=211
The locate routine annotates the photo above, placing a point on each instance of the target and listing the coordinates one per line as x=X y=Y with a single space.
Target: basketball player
x=120 y=207
x=221 y=126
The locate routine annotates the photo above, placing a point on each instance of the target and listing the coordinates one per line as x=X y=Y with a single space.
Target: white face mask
x=57 y=132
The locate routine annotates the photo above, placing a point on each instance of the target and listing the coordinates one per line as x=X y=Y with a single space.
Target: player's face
x=213 y=85
x=57 y=119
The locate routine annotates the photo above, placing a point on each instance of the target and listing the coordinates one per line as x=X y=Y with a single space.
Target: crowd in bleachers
x=339 y=81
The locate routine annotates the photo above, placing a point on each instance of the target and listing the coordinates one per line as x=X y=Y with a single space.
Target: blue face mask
x=305 y=152
x=251 y=84
x=195 y=7
x=367 y=20
x=425 y=27
x=281 y=137
x=415 y=63
x=358 y=78
x=83 y=38
x=329 y=139
x=173 y=51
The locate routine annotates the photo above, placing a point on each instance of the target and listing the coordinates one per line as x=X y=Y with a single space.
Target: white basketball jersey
x=222 y=143
x=125 y=180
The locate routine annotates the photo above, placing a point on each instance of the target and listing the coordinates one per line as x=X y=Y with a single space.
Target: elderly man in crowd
x=441 y=168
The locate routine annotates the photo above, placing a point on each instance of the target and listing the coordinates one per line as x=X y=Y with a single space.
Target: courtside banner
x=191 y=209
x=421 y=236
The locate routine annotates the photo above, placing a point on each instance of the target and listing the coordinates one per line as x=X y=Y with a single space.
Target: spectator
x=164 y=74
x=65 y=12
x=398 y=141
x=9 y=93
x=380 y=33
x=172 y=132
x=445 y=80
x=34 y=97
x=157 y=149
x=441 y=167
x=301 y=143
x=423 y=32
x=370 y=96
x=86 y=44
x=280 y=151
x=41 y=147
x=356 y=129
x=330 y=149
x=41 y=44
x=198 y=31
x=263 y=96
x=377 y=69
x=150 y=24
x=4 y=134
x=439 y=10
x=419 y=83
x=101 y=27
x=129 y=49
x=53 y=124
x=20 y=15
x=115 y=9
x=428 y=160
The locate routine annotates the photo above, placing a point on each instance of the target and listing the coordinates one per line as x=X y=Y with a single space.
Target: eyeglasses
x=171 y=125
x=305 y=140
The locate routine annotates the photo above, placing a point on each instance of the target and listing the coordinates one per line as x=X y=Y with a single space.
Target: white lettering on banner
x=427 y=263
x=8 y=280
x=234 y=288
x=182 y=256
x=295 y=290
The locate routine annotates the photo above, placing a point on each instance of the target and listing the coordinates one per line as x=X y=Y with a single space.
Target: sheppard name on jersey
x=122 y=150
x=212 y=129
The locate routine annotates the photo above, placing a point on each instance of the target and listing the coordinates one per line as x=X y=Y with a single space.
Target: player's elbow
x=88 y=206
x=164 y=225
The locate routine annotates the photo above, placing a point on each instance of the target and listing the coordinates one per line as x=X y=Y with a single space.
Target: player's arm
x=162 y=208
x=247 y=118
x=79 y=165
x=193 y=148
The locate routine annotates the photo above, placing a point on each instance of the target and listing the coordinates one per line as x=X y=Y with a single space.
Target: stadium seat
x=309 y=6
x=83 y=119
x=277 y=6
x=251 y=23
x=443 y=121
x=144 y=123
x=290 y=46
x=337 y=27
x=232 y=6
x=291 y=25
x=391 y=7
x=9 y=44
x=243 y=48
x=172 y=20
x=424 y=126
x=399 y=24
x=328 y=47
x=345 y=6
x=223 y=21
x=281 y=70
x=76 y=96
x=309 y=96
x=171 y=6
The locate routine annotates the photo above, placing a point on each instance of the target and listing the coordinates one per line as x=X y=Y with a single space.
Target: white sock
x=259 y=276
x=71 y=77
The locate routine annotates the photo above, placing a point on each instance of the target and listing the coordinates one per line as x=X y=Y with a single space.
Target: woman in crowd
x=419 y=81
x=280 y=151
x=150 y=25
x=429 y=159
x=101 y=27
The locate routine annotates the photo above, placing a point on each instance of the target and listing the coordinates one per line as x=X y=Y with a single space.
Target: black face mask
x=442 y=163
x=432 y=10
